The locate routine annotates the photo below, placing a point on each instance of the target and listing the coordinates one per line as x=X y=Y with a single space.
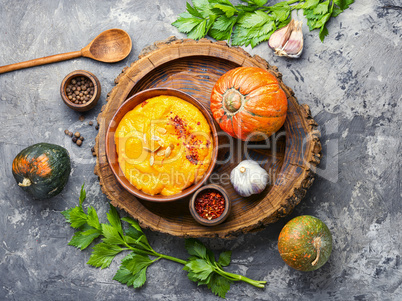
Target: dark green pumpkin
x=305 y=243
x=42 y=169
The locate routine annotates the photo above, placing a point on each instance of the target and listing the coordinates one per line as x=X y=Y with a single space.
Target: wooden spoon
x=110 y=46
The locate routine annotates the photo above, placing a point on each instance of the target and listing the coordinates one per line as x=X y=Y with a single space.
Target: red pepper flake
x=144 y=103
x=198 y=123
x=193 y=158
x=210 y=205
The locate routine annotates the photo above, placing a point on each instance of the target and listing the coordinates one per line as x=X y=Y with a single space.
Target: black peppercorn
x=74 y=139
x=80 y=90
x=77 y=134
x=79 y=142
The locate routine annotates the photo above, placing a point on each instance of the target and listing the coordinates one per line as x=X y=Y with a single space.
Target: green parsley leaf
x=83 y=194
x=66 y=214
x=343 y=4
x=336 y=11
x=311 y=3
x=224 y=23
x=321 y=8
x=252 y=20
x=227 y=2
x=114 y=219
x=259 y=2
x=219 y=285
x=202 y=282
x=132 y=223
x=323 y=33
x=225 y=258
x=220 y=35
x=103 y=255
x=140 y=242
x=229 y=10
x=193 y=11
x=245 y=36
x=264 y=34
x=186 y=24
x=204 y=7
x=199 y=268
x=196 y=248
x=320 y=23
x=135 y=262
x=77 y=217
x=280 y=11
x=210 y=22
x=125 y=276
x=112 y=235
x=134 y=234
x=199 y=31
x=222 y=28
x=83 y=239
x=92 y=218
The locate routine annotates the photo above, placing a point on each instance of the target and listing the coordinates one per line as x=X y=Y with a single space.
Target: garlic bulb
x=249 y=178
x=288 y=41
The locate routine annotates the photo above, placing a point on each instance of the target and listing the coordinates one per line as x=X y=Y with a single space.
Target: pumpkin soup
x=164 y=145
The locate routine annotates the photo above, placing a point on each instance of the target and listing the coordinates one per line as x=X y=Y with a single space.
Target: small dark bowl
x=89 y=104
x=111 y=153
x=215 y=221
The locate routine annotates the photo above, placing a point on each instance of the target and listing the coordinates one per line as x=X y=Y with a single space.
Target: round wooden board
x=290 y=156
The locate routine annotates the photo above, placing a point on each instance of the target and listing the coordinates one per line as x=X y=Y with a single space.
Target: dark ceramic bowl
x=111 y=153
x=215 y=221
x=90 y=103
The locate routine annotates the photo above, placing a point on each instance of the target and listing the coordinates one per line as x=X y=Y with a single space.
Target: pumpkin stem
x=25 y=183
x=232 y=100
x=317 y=246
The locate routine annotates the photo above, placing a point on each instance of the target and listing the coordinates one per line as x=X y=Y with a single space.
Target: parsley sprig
x=201 y=266
x=253 y=22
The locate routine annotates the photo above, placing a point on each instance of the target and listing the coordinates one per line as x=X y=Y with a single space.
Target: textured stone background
x=352 y=82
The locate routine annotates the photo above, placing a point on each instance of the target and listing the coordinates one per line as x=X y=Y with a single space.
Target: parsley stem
x=171 y=258
x=236 y=277
x=139 y=251
x=156 y=254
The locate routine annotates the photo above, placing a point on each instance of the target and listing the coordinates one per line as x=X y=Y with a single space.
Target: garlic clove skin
x=248 y=178
x=288 y=41
x=279 y=38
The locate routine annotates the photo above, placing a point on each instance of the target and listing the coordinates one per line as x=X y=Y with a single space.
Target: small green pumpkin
x=305 y=243
x=42 y=169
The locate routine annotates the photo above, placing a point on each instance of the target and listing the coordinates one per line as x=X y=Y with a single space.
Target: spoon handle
x=41 y=61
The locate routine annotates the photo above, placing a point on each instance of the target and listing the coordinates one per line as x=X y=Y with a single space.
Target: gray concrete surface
x=352 y=82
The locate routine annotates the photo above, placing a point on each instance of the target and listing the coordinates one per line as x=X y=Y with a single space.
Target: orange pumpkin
x=248 y=103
